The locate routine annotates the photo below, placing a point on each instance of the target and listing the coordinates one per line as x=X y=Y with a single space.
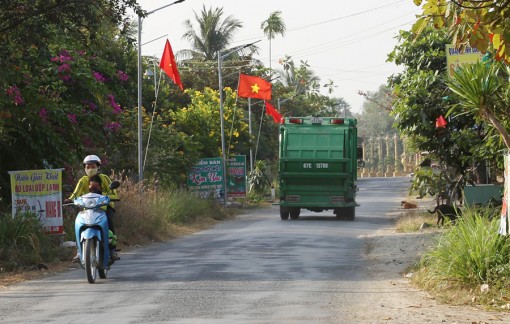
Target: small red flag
x=441 y=122
x=168 y=65
x=274 y=113
x=253 y=87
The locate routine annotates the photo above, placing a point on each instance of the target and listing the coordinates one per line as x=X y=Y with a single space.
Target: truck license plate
x=316 y=120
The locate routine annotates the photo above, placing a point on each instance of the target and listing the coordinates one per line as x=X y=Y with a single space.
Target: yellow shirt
x=82 y=187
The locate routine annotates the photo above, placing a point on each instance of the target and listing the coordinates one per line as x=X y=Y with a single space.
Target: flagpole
x=140 y=137
x=249 y=128
x=223 y=155
x=220 y=89
x=260 y=128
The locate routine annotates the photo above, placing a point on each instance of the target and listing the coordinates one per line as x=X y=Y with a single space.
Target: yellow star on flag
x=253 y=87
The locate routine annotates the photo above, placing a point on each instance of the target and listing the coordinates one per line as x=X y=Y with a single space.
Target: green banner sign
x=236 y=170
x=206 y=178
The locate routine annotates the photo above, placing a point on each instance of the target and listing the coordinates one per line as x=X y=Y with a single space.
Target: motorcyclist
x=92 y=165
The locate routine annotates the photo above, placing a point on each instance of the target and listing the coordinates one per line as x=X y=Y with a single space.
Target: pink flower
x=72 y=118
x=43 y=114
x=65 y=77
x=14 y=93
x=92 y=106
x=113 y=126
x=64 y=68
x=63 y=57
x=117 y=109
x=122 y=75
x=99 y=77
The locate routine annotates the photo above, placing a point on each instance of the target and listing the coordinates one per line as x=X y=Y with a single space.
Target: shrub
x=150 y=214
x=22 y=241
x=143 y=215
x=469 y=254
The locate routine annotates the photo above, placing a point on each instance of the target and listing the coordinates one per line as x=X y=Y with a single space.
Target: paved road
x=255 y=269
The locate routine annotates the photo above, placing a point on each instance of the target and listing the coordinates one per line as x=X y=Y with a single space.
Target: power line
x=345 y=17
x=327 y=21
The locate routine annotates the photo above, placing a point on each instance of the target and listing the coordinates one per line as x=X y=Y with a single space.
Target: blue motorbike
x=92 y=234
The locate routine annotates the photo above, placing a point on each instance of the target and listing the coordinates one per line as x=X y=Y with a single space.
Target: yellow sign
x=455 y=58
x=39 y=192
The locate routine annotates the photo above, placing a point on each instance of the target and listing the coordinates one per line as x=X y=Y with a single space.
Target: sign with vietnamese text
x=236 y=171
x=206 y=178
x=455 y=58
x=39 y=192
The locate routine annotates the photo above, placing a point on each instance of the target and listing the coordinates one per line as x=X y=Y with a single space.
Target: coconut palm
x=271 y=27
x=484 y=92
x=214 y=34
x=301 y=78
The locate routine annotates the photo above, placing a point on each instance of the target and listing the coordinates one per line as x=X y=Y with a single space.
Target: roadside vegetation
x=468 y=263
x=142 y=217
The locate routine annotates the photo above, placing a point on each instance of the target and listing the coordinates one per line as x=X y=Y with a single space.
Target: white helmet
x=92 y=159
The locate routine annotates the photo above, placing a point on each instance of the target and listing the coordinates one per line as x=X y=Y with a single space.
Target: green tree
x=479 y=24
x=375 y=118
x=201 y=121
x=214 y=34
x=336 y=107
x=258 y=179
x=484 y=93
x=64 y=88
x=422 y=95
x=272 y=26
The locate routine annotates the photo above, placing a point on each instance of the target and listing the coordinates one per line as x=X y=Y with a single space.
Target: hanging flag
x=253 y=87
x=273 y=112
x=441 y=122
x=168 y=65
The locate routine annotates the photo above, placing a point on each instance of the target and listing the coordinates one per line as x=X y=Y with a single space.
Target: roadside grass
x=23 y=243
x=142 y=217
x=468 y=263
x=415 y=220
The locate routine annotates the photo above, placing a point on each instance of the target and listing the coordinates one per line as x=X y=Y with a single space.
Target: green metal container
x=318 y=158
x=481 y=194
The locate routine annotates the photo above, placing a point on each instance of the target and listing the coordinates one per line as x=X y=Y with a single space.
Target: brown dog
x=408 y=205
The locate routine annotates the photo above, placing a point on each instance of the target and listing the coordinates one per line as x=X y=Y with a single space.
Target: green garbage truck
x=317 y=167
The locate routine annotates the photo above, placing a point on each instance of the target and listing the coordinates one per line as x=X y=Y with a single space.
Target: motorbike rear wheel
x=91 y=250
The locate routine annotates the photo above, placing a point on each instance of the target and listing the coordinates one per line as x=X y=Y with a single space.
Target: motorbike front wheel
x=91 y=250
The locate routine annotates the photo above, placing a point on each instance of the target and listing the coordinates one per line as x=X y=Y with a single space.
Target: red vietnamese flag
x=253 y=87
x=168 y=65
x=274 y=113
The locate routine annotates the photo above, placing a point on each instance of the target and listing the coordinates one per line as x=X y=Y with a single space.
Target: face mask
x=91 y=172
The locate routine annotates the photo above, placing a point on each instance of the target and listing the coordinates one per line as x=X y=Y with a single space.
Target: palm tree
x=271 y=27
x=213 y=34
x=301 y=78
x=483 y=92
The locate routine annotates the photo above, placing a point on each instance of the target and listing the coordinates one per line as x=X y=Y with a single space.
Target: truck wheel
x=284 y=215
x=294 y=213
x=349 y=213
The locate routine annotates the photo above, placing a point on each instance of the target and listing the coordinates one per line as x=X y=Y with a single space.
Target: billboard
x=236 y=171
x=206 y=178
x=39 y=192
x=455 y=58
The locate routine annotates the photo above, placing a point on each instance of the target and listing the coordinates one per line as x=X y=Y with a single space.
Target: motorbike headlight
x=89 y=202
